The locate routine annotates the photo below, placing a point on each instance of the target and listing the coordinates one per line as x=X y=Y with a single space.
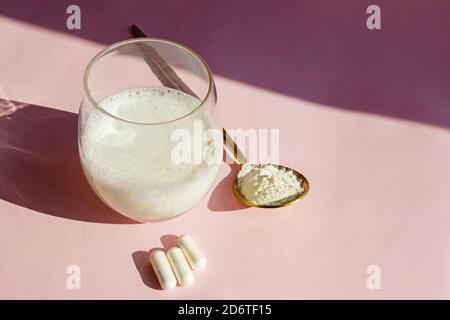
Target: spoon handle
x=233 y=147
x=168 y=77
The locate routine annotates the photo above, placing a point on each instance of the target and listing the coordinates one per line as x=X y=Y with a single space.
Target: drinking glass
x=148 y=139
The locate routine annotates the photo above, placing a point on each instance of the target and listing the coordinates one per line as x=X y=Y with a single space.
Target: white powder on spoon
x=268 y=184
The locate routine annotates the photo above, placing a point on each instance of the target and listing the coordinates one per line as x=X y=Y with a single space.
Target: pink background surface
x=363 y=114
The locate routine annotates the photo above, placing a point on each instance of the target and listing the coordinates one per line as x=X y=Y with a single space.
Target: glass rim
x=115 y=45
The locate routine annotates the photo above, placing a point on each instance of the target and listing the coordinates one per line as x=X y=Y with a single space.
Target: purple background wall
x=315 y=50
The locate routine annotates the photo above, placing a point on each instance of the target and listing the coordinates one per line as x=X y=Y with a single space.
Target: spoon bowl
x=276 y=204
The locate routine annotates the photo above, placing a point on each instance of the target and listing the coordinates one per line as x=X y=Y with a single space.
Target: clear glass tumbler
x=148 y=140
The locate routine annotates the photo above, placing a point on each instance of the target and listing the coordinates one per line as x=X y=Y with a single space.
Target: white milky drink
x=131 y=167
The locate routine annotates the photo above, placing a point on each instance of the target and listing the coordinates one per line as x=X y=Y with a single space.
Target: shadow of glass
x=222 y=197
x=40 y=166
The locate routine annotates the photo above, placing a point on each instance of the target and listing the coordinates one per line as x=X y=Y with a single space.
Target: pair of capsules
x=177 y=264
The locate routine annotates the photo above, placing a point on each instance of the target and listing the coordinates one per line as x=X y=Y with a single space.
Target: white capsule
x=163 y=271
x=194 y=255
x=180 y=266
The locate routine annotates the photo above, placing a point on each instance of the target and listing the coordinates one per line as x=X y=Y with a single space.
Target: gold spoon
x=240 y=159
x=171 y=79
